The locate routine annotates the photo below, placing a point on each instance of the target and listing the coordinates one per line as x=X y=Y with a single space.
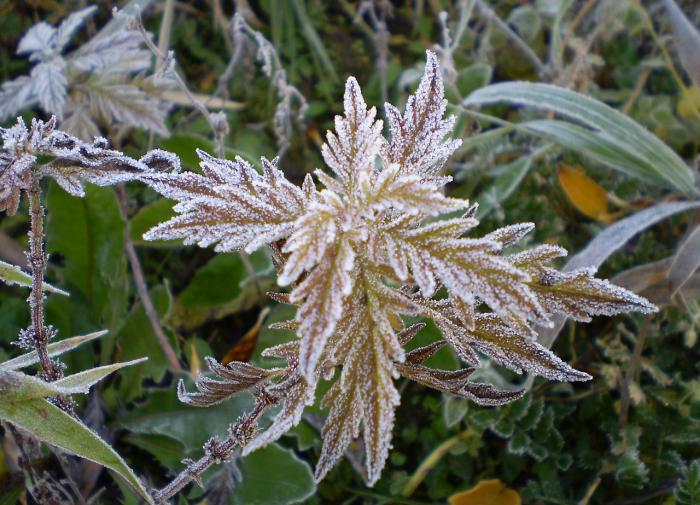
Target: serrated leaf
x=519 y=352
x=231 y=205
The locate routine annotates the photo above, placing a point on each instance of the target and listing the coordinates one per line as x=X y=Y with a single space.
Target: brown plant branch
x=37 y=262
x=142 y=289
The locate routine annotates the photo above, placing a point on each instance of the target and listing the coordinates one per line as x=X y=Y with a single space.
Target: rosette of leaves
x=102 y=82
x=380 y=241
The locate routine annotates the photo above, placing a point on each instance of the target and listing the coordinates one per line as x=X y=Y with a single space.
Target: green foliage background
x=626 y=437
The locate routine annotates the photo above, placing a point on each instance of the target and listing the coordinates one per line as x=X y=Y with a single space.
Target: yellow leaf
x=689 y=103
x=196 y=362
x=486 y=492
x=243 y=349
x=584 y=193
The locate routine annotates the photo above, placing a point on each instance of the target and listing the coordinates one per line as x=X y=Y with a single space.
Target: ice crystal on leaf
x=100 y=82
x=378 y=242
x=73 y=161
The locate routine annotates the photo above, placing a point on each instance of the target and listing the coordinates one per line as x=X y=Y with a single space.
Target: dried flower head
x=379 y=242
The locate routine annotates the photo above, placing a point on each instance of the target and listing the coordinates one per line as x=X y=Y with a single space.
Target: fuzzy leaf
x=235 y=377
x=231 y=205
x=48 y=423
x=518 y=352
x=352 y=148
x=417 y=144
x=645 y=155
x=11 y=274
x=53 y=349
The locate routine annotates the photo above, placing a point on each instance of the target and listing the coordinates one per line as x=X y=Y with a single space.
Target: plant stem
x=37 y=262
x=433 y=459
x=219 y=452
x=525 y=49
x=142 y=290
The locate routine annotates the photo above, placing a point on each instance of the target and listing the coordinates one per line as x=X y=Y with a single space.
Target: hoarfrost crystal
x=353 y=254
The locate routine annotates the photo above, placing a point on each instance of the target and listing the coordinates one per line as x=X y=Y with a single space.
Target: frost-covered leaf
x=40 y=38
x=117 y=53
x=294 y=392
x=351 y=150
x=469 y=268
x=364 y=395
x=458 y=383
x=48 y=423
x=609 y=135
x=517 y=351
x=233 y=378
x=231 y=205
x=11 y=274
x=580 y=295
x=321 y=297
x=16 y=95
x=51 y=85
x=111 y=100
x=577 y=294
x=53 y=349
x=417 y=142
x=71 y=24
x=353 y=255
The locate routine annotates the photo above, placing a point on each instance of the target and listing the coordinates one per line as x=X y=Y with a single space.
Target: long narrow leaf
x=55 y=349
x=687 y=40
x=611 y=127
x=610 y=240
x=48 y=423
x=685 y=262
x=11 y=274
x=81 y=382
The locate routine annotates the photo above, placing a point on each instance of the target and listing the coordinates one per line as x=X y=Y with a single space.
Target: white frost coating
x=354 y=145
x=95 y=84
x=231 y=205
x=353 y=253
x=75 y=161
x=417 y=136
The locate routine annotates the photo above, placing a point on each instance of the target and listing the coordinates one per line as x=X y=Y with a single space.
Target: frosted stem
x=216 y=451
x=37 y=262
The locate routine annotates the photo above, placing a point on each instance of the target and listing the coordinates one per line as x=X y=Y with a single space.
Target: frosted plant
x=74 y=161
x=100 y=82
x=379 y=240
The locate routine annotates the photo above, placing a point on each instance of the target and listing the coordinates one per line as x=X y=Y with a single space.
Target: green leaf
x=165 y=415
x=54 y=349
x=148 y=217
x=48 y=423
x=216 y=283
x=687 y=490
x=274 y=476
x=11 y=274
x=81 y=382
x=599 y=128
x=136 y=339
x=88 y=233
